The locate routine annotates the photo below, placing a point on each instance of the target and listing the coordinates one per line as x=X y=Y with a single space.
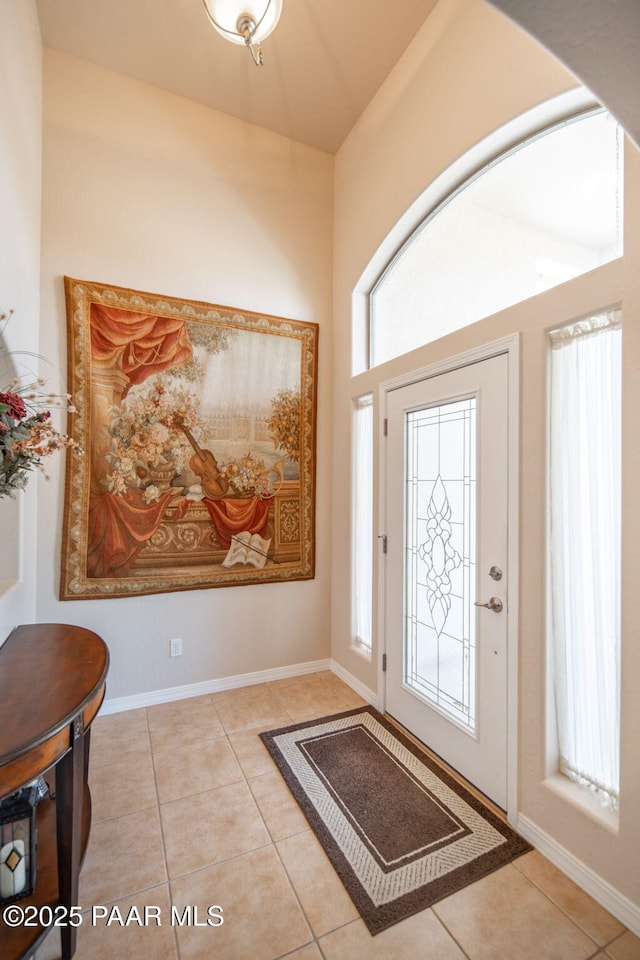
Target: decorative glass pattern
x=440 y=557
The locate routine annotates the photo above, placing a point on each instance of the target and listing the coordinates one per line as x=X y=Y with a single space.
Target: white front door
x=447 y=511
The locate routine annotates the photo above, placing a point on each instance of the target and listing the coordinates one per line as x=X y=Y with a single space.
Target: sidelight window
x=362 y=520
x=585 y=548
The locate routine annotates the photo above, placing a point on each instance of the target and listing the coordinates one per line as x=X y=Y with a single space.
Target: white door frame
x=511 y=346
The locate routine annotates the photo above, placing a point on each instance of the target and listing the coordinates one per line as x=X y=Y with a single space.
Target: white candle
x=13 y=876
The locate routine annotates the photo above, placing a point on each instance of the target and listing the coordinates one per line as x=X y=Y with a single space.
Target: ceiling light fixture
x=245 y=21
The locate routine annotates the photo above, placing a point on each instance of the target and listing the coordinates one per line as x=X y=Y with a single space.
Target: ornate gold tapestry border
x=158 y=566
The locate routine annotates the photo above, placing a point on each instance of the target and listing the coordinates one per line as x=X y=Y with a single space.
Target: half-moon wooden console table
x=52 y=683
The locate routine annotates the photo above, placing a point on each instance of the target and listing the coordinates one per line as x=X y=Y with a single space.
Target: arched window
x=546 y=211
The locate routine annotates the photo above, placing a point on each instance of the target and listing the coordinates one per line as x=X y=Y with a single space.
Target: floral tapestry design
x=198 y=426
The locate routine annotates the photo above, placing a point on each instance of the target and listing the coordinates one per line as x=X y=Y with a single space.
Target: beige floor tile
x=325 y=901
x=227 y=823
x=296 y=695
x=119 y=737
x=328 y=676
x=124 y=857
x=342 y=690
x=417 y=938
x=251 y=753
x=181 y=772
x=626 y=947
x=262 y=918
x=203 y=750
x=596 y=922
x=309 y=952
x=183 y=722
x=283 y=816
x=272 y=685
x=238 y=693
x=147 y=939
x=50 y=948
x=259 y=710
x=504 y=915
x=118 y=789
x=307 y=701
x=351 y=699
x=316 y=710
x=310 y=681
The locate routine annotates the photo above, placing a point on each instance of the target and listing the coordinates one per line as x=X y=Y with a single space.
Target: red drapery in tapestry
x=142 y=345
x=231 y=517
x=139 y=344
x=119 y=528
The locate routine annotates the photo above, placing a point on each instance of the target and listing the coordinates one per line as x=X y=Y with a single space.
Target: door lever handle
x=495 y=604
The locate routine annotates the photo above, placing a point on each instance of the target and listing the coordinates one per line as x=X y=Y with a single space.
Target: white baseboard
x=355 y=684
x=623 y=909
x=153 y=697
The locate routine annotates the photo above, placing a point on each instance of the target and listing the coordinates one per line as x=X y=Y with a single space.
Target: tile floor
x=189 y=810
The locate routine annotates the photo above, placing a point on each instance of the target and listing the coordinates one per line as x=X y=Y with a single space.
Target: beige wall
x=468 y=72
x=20 y=179
x=146 y=190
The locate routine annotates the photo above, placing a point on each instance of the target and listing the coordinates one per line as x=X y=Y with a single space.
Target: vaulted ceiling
x=322 y=65
x=327 y=58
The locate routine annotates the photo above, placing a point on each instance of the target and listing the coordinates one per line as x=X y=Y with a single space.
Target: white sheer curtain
x=362 y=508
x=585 y=525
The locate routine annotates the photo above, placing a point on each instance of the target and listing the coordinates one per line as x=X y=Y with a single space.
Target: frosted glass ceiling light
x=245 y=21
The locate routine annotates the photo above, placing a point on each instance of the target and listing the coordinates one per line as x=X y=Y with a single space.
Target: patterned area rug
x=400 y=832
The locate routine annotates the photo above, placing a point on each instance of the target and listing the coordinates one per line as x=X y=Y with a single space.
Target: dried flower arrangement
x=26 y=432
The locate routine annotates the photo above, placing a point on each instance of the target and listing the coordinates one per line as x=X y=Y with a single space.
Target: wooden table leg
x=69 y=799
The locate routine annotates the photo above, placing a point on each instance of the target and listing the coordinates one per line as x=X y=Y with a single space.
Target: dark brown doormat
x=400 y=832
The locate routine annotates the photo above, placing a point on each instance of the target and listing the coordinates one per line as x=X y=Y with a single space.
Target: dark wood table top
x=49 y=672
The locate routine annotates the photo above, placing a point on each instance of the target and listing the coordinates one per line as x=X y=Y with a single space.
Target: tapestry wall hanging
x=197 y=424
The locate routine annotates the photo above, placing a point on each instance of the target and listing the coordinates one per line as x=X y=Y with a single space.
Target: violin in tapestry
x=205 y=466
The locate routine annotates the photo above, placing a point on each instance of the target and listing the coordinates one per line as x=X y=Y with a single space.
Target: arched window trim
x=567 y=108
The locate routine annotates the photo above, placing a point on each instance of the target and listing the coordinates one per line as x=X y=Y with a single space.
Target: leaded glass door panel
x=446 y=493
x=440 y=562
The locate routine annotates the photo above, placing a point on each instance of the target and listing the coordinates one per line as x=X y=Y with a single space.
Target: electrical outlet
x=176 y=647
